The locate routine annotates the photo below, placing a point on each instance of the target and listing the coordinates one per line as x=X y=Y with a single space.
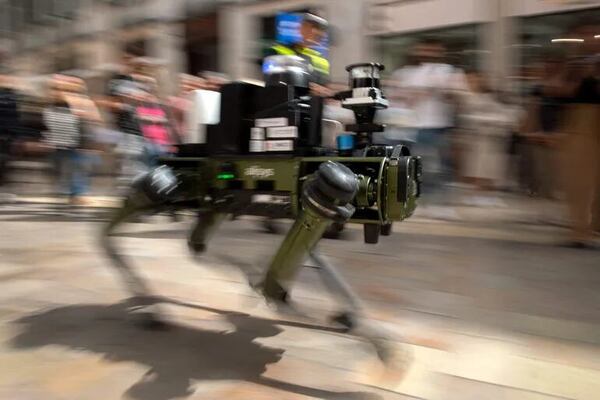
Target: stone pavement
x=489 y=308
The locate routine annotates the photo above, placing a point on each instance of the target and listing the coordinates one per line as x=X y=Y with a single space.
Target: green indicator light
x=225 y=176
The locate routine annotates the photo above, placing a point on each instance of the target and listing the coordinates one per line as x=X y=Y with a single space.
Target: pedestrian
x=581 y=164
x=399 y=121
x=131 y=147
x=64 y=117
x=544 y=113
x=582 y=156
x=127 y=67
x=155 y=127
x=9 y=126
x=120 y=85
x=429 y=87
x=486 y=125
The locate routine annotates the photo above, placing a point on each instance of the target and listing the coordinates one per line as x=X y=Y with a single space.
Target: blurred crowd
x=130 y=121
x=542 y=141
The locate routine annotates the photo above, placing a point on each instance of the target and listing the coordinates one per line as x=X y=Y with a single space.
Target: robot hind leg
x=149 y=194
x=207 y=222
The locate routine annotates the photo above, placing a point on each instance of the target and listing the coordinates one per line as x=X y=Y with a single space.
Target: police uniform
x=320 y=64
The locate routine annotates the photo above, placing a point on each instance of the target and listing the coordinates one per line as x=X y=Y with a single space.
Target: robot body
x=373 y=186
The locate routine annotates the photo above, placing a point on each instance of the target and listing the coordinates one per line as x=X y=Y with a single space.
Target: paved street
x=489 y=307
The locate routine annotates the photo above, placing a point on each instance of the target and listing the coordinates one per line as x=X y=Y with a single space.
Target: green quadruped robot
x=264 y=158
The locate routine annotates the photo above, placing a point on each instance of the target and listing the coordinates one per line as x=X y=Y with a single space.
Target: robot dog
x=264 y=158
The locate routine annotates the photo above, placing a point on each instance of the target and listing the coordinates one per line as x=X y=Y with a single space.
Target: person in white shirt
x=428 y=88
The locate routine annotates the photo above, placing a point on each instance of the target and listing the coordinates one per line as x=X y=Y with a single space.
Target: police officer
x=312 y=30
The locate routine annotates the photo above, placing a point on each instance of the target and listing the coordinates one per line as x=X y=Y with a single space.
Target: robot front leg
x=326 y=198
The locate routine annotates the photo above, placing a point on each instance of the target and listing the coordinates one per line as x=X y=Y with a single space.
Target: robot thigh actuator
x=265 y=158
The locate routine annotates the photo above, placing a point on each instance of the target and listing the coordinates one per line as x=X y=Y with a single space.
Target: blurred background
x=496 y=276
x=495 y=77
x=192 y=36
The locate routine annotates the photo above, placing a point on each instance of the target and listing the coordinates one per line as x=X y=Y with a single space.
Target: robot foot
x=393 y=354
x=150 y=321
x=272 y=226
x=396 y=359
x=278 y=299
x=146 y=313
x=345 y=319
x=393 y=365
x=196 y=248
x=272 y=292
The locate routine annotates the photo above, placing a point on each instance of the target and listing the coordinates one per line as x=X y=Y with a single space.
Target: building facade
x=87 y=35
x=497 y=36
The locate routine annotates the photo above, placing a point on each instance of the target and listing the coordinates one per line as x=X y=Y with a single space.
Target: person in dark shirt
x=544 y=114
x=114 y=91
x=115 y=102
x=131 y=143
x=9 y=122
x=127 y=93
x=587 y=90
x=122 y=95
x=582 y=142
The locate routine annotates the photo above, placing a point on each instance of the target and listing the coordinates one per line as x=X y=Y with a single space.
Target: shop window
x=536 y=34
x=542 y=37
x=461 y=43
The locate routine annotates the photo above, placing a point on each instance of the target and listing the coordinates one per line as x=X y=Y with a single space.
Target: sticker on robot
x=256 y=171
x=282 y=132
x=257 y=146
x=270 y=199
x=280 y=145
x=270 y=122
x=257 y=134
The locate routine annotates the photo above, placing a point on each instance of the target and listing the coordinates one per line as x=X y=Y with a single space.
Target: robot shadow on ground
x=176 y=357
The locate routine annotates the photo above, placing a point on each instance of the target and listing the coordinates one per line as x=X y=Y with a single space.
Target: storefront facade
x=496 y=36
x=542 y=35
